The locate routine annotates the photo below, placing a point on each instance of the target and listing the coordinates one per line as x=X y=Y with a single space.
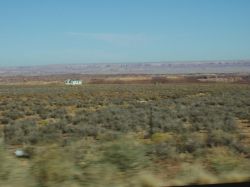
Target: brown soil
x=126 y=79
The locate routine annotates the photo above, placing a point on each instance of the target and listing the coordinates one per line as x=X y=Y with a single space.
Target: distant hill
x=241 y=66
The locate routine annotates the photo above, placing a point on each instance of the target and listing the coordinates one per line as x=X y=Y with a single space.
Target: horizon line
x=134 y=62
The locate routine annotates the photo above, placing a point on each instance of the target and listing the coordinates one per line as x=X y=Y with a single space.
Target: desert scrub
x=52 y=166
x=126 y=155
x=187 y=124
x=223 y=160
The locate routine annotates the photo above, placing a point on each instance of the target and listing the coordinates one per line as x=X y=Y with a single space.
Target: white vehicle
x=73 y=82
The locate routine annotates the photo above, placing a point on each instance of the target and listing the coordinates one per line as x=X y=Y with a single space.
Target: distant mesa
x=184 y=67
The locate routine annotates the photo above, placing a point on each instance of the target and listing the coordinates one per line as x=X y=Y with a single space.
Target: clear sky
x=36 y=32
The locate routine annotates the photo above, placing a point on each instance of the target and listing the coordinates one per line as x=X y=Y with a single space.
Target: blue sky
x=36 y=32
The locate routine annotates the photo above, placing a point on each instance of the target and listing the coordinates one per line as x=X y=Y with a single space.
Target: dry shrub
x=161 y=137
x=52 y=166
x=225 y=162
x=193 y=173
x=13 y=173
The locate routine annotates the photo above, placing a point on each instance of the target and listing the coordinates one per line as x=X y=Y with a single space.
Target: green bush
x=223 y=160
x=126 y=155
x=52 y=166
x=220 y=138
x=163 y=151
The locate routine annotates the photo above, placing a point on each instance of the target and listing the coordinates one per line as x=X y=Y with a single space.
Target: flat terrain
x=154 y=134
x=241 y=78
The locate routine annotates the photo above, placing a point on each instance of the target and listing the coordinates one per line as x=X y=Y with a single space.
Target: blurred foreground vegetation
x=125 y=135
